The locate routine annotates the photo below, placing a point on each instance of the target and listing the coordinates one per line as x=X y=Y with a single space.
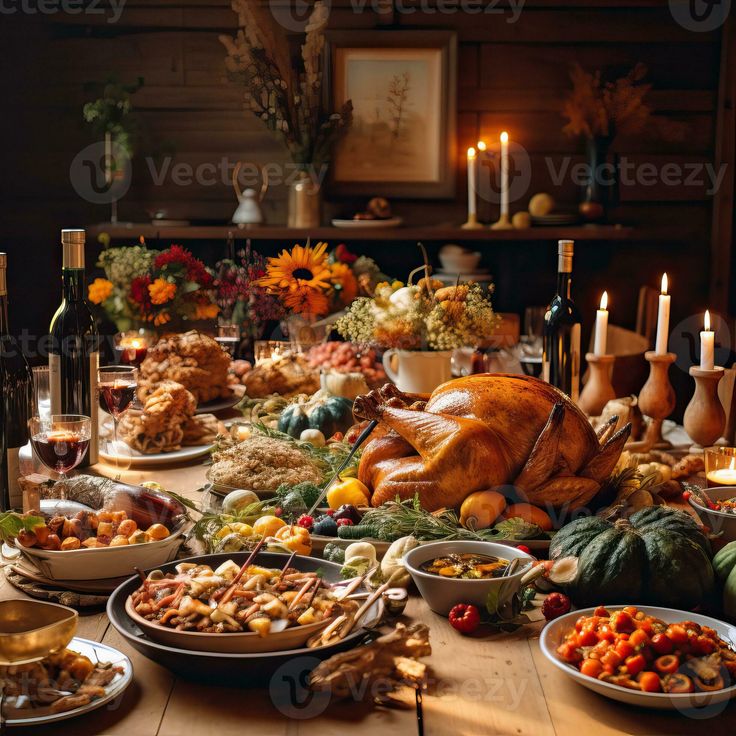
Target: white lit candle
x=707 y=345
x=663 y=319
x=601 y=326
x=472 y=158
x=723 y=476
x=504 y=174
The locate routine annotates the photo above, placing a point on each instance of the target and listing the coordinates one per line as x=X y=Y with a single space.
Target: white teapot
x=249 y=210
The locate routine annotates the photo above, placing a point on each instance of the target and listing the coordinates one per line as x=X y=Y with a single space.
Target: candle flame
x=504 y=137
x=471 y=152
x=604 y=300
x=706 y=321
x=136 y=343
x=664 y=283
x=481 y=146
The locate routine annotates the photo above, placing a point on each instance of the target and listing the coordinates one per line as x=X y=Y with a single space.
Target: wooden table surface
x=490 y=684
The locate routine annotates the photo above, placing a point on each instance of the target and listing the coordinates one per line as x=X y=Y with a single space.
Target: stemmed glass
x=117 y=386
x=228 y=338
x=60 y=440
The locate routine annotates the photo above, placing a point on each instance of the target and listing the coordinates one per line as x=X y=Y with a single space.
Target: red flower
x=195 y=269
x=344 y=255
x=139 y=290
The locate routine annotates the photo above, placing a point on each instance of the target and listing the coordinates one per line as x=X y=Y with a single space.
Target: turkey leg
x=544 y=456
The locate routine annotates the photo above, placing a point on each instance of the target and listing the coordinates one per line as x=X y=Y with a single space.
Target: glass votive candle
x=271 y=350
x=131 y=347
x=720 y=466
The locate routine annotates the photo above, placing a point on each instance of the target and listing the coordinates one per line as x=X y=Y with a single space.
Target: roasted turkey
x=485 y=431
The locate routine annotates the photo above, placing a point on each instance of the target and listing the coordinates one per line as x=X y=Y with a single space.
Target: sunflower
x=303 y=266
x=344 y=282
x=306 y=300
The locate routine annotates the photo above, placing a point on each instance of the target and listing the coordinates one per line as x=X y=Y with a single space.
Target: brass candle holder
x=598 y=391
x=656 y=401
x=705 y=418
x=472 y=222
x=503 y=223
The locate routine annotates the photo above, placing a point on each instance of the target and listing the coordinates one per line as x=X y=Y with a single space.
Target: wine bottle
x=16 y=400
x=75 y=344
x=561 y=356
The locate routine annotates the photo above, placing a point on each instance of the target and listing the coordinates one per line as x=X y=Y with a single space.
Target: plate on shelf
x=554 y=633
x=212 y=407
x=123 y=455
x=368 y=224
x=97 y=653
x=556 y=218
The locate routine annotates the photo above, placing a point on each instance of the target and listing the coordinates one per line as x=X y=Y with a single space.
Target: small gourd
x=323 y=411
x=313 y=436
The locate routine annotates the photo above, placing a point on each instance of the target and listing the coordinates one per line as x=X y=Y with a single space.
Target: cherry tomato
x=605 y=634
x=466 y=618
x=602 y=612
x=649 y=682
x=645 y=626
x=639 y=638
x=622 y=621
x=704 y=645
x=591 y=667
x=569 y=653
x=667 y=664
x=635 y=664
x=677 y=634
x=523 y=548
x=662 y=644
x=631 y=610
x=624 y=649
x=587 y=638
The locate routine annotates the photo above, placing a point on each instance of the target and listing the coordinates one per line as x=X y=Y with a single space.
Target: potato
x=71 y=543
x=53 y=542
x=127 y=527
x=157 y=532
x=118 y=541
x=104 y=529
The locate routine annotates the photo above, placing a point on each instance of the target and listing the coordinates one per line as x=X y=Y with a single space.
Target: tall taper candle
x=707 y=345
x=601 y=326
x=504 y=174
x=663 y=319
x=472 y=158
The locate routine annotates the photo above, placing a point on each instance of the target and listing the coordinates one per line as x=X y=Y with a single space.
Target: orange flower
x=206 y=311
x=304 y=266
x=161 y=318
x=161 y=291
x=305 y=300
x=344 y=281
x=100 y=290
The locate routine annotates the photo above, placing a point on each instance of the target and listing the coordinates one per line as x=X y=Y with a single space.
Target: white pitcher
x=418 y=371
x=249 y=210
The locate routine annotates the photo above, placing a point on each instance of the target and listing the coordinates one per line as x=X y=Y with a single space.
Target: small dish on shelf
x=368 y=224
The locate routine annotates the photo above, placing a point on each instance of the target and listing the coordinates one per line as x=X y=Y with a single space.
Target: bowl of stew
x=460 y=571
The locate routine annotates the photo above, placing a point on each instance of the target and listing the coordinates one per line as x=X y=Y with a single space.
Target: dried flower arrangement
x=422 y=316
x=286 y=97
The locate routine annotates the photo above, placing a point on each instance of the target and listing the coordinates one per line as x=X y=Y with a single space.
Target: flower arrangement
x=422 y=316
x=288 y=97
x=147 y=286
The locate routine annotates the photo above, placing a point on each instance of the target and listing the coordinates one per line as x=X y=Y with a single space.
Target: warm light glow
x=664 y=283
x=481 y=146
x=706 y=321
x=604 y=300
x=471 y=152
x=136 y=343
x=732 y=466
x=504 y=137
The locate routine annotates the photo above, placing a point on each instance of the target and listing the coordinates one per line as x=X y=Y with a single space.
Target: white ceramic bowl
x=554 y=633
x=718 y=521
x=441 y=594
x=99 y=563
x=460 y=262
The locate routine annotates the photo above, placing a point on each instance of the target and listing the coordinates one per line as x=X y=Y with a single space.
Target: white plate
x=368 y=224
x=131 y=457
x=97 y=653
x=554 y=632
x=211 y=407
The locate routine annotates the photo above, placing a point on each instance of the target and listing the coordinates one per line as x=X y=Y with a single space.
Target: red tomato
x=649 y=682
x=667 y=664
x=569 y=653
x=639 y=638
x=587 y=638
x=677 y=634
x=635 y=664
x=704 y=645
x=591 y=667
x=631 y=610
x=611 y=659
x=605 y=634
x=622 y=622
x=624 y=649
x=662 y=644
x=645 y=626
x=602 y=612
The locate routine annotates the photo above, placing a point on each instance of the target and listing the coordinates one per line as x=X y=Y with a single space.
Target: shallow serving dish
x=246 y=642
x=555 y=631
x=99 y=563
x=720 y=522
x=441 y=594
x=31 y=630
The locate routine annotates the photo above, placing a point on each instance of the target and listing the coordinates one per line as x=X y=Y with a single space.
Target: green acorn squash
x=322 y=411
x=724 y=564
x=658 y=556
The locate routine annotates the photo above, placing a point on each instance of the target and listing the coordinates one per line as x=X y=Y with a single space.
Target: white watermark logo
x=101 y=174
x=700 y=15
x=112 y=8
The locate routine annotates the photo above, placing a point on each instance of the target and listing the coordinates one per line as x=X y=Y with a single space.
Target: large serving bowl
x=246 y=642
x=554 y=633
x=31 y=630
x=98 y=563
x=720 y=522
x=442 y=594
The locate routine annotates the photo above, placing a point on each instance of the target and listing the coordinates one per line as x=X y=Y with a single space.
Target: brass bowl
x=31 y=630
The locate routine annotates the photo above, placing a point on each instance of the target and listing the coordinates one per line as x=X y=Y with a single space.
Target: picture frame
x=403 y=86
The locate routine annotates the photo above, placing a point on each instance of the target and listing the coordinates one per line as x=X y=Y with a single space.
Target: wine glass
x=41 y=391
x=228 y=338
x=117 y=386
x=61 y=440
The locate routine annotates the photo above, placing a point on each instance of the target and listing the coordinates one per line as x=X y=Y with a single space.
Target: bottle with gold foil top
x=75 y=343
x=561 y=357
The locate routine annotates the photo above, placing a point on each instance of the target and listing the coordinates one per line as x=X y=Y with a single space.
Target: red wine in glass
x=116 y=396
x=60 y=450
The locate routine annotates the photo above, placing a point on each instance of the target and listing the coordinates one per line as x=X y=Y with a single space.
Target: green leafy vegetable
x=11 y=524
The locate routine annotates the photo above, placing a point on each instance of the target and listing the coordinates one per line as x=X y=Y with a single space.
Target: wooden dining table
x=488 y=683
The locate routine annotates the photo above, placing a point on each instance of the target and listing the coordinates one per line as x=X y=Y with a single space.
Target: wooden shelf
x=445 y=233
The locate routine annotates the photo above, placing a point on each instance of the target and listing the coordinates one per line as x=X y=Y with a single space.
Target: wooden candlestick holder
x=705 y=418
x=656 y=401
x=598 y=391
x=472 y=222
x=503 y=223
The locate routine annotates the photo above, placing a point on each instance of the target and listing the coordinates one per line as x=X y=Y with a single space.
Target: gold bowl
x=31 y=630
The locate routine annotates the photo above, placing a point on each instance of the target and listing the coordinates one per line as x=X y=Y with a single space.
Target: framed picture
x=402 y=85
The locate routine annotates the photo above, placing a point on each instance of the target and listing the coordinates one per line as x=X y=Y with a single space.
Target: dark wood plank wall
x=511 y=75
